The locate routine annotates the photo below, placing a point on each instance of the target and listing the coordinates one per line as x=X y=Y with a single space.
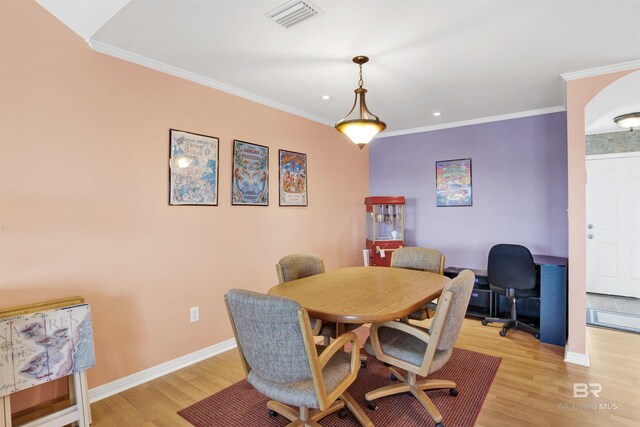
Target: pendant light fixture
x=628 y=121
x=360 y=125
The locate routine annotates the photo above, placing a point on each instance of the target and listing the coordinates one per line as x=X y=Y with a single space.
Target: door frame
x=612 y=156
x=608 y=156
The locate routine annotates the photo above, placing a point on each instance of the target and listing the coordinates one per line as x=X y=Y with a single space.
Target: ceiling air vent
x=293 y=12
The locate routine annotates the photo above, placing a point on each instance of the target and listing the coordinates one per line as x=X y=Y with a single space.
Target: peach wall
x=84 y=171
x=578 y=93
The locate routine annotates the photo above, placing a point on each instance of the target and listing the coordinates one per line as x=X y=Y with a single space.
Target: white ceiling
x=620 y=97
x=466 y=59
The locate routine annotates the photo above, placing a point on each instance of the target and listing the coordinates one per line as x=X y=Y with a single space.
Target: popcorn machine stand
x=384 y=227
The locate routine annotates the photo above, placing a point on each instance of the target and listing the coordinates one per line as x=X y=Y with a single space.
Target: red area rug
x=241 y=405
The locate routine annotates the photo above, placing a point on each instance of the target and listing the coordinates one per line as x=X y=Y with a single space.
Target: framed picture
x=453 y=183
x=250 y=176
x=293 y=178
x=193 y=169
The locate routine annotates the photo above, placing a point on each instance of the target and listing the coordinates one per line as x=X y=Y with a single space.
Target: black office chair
x=512 y=273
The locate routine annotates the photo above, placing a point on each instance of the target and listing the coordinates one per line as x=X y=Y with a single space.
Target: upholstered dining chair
x=419 y=351
x=415 y=258
x=282 y=362
x=299 y=266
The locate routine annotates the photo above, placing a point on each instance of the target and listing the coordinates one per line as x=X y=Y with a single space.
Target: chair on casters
x=419 y=351
x=299 y=266
x=512 y=273
x=418 y=259
x=282 y=362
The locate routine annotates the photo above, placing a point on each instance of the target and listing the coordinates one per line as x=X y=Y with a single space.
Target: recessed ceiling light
x=437 y=114
x=325 y=97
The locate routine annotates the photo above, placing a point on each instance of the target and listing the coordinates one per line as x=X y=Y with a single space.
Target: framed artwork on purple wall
x=453 y=183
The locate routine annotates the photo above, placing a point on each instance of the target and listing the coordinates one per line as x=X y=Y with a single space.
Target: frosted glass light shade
x=361 y=132
x=360 y=125
x=631 y=120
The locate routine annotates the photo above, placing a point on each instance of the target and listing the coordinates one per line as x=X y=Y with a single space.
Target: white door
x=613 y=224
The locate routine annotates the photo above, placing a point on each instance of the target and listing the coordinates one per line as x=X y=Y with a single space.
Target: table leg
x=82 y=399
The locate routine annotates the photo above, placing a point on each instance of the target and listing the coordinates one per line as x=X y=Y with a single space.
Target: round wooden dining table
x=363 y=294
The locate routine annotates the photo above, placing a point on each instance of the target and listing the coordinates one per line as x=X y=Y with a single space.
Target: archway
x=579 y=93
x=612 y=208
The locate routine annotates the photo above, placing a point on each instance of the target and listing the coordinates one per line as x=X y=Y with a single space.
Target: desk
x=553 y=297
x=363 y=294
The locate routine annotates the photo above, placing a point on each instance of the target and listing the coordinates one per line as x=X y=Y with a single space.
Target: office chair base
x=513 y=321
x=510 y=324
x=520 y=325
x=409 y=384
x=488 y=320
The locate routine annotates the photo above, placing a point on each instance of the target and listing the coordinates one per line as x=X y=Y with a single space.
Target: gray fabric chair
x=422 y=352
x=299 y=266
x=282 y=362
x=418 y=259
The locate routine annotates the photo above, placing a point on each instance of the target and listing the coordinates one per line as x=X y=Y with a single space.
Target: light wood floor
x=533 y=386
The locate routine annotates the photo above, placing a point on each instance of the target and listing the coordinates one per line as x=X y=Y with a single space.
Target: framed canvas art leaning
x=453 y=183
x=193 y=169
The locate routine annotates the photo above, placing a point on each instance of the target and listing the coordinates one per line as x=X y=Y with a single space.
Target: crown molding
x=129 y=56
x=144 y=61
x=509 y=116
x=591 y=72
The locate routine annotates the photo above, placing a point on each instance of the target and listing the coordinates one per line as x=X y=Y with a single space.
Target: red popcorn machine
x=384 y=228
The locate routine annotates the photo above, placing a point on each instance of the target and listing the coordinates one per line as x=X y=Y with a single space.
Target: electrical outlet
x=194 y=314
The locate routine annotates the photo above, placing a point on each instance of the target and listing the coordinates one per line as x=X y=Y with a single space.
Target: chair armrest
x=414 y=330
x=421 y=334
x=327 y=354
x=337 y=345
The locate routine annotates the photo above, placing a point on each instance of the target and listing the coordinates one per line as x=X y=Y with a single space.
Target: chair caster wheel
x=453 y=392
x=371 y=405
x=272 y=413
x=363 y=364
x=537 y=336
x=342 y=413
x=393 y=377
x=484 y=322
x=503 y=332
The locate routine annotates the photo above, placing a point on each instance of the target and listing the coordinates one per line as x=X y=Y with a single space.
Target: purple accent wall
x=519 y=177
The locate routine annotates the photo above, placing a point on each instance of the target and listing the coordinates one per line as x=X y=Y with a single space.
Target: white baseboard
x=576 y=358
x=117 y=386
